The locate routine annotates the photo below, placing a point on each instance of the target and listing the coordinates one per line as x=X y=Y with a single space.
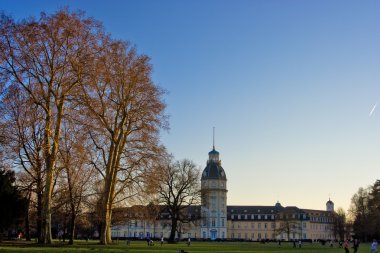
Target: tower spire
x=213 y=138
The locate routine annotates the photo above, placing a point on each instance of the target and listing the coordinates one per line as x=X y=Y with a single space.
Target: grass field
x=196 y=247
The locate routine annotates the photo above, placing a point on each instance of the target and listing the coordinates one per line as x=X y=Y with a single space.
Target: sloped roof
x=214 y=170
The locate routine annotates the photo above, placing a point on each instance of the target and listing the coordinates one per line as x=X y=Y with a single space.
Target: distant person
x=346 y=246
x=279 y=242
x=299 y=244
x=374 y=246
x=188 y=241
x=294 y=244
x=331 y=243
x=356 y=245
x=162 y=240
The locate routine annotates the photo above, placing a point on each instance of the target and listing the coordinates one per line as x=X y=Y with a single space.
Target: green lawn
x=141 y=247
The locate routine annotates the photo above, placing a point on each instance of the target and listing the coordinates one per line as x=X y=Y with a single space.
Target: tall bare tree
x=340 y=224
x=124 y=113
x=364 y=212
x=359 y=212
x=48 y=59
x=178 y=188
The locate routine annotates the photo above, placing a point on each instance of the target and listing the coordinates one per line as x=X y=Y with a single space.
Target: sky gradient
x=289 y=86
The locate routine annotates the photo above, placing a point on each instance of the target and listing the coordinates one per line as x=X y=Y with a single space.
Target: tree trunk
x=108 y=195
x=105 y=236
x=173 y=231
x=46 y=211
x=51 y=149
x=27 y=225
x=39 y=212
x=72 y=226
x=72 y=206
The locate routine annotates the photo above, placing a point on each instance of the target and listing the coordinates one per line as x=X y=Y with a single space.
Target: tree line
x=362 y=220
x=80 y=121
x=365 y=212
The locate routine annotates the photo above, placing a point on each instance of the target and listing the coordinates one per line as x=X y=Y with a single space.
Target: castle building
x=218 y=221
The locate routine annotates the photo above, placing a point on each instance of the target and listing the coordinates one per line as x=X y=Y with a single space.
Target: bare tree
x=289 y=223
x=365 y=205
x=123 y=111
x=359 y=212
x=23 y=131
x=340 y=224
x=48 y=58
x=178 y=188
x=76 y=175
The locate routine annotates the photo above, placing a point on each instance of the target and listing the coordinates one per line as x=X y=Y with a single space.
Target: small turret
x=330 y=206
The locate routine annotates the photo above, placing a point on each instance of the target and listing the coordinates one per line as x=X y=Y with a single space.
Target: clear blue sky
x=289 y=86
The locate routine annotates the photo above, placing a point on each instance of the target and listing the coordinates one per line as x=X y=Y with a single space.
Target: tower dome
x=278 y=205
x=214 y=169
x=329 y=206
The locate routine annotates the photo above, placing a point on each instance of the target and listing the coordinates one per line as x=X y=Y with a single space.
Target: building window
x=265 y=225
x=259 y=225
x=204 y=235
x=222 y=222
x=213 y=222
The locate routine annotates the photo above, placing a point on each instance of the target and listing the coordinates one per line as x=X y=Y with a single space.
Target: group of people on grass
x=150 y=242
x=355 y=246
x=345 y=245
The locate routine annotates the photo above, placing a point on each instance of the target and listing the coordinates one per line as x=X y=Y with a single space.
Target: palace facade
x=215 y=220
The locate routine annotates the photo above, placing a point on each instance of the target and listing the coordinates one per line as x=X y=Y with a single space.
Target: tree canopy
x=12 y=202
x=364 y=210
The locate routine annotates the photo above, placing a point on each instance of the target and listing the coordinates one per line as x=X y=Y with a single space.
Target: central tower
x=214 y=198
